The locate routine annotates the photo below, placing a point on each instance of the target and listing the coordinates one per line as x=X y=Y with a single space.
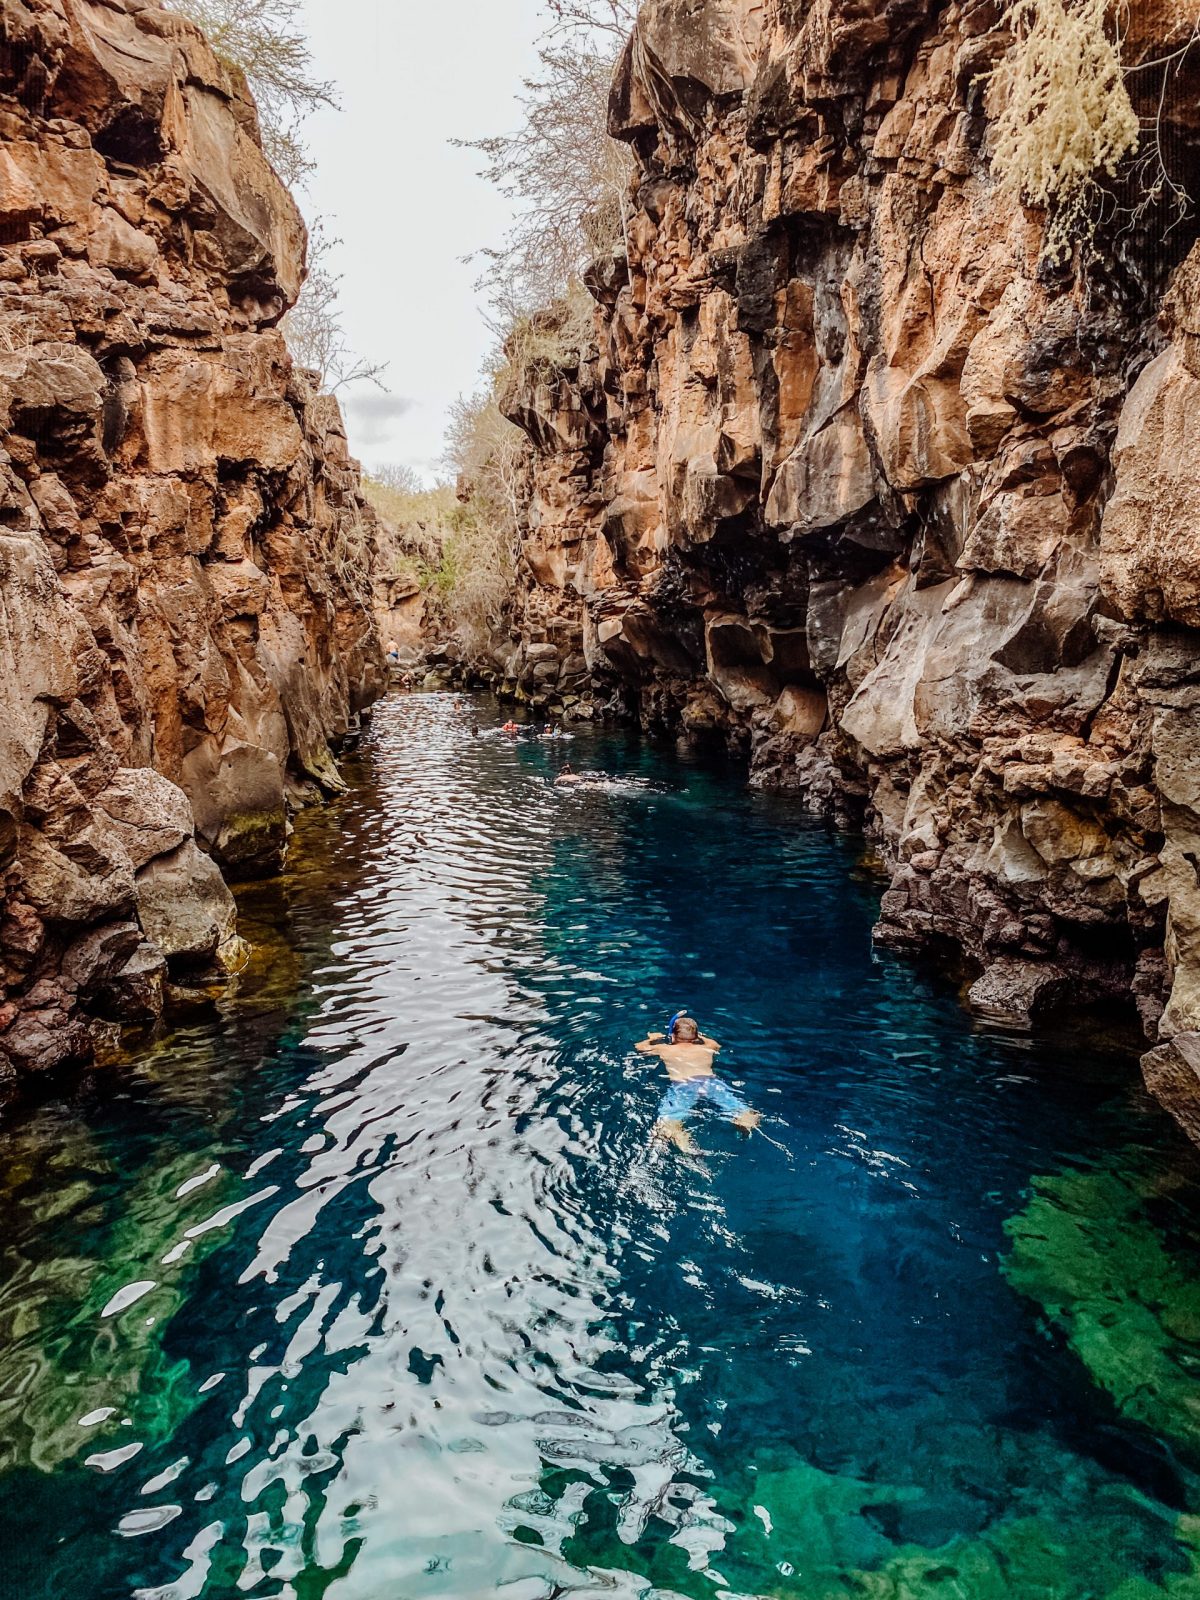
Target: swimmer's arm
x=650 y=1046
x=709 y=1044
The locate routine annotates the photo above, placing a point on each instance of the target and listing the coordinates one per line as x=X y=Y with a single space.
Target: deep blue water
x=368 y=1282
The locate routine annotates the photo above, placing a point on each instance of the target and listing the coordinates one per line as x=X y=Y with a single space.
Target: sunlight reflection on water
x=370 y=1283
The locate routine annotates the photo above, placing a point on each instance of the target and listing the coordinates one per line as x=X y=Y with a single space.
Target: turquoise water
x=366 y=1283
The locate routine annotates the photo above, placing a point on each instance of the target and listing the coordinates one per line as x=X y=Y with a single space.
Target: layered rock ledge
x=854 y=480
x=185 y=604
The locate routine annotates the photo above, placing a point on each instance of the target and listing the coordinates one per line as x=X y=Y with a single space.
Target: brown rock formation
x=854 y=479
x=406 y=608
x=184 y=588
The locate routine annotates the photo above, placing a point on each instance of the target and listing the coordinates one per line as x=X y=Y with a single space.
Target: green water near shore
x=368 y=1283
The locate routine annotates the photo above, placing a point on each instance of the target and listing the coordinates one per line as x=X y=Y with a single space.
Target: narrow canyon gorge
x=851 y=477
x=571 y=993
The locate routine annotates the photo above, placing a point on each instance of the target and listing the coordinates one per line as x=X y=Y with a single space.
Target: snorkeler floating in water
x=567 y=776
x=688 y=1057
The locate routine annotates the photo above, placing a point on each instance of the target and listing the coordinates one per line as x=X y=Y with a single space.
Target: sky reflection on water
x=368 y=1284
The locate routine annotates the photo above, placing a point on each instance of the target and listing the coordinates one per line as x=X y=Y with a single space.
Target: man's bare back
x=682 y=1061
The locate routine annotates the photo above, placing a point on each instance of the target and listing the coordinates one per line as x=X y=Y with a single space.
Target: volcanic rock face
x=184 y=553
x=854 y=479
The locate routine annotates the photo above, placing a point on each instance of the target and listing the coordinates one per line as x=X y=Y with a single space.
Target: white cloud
x=371 y=415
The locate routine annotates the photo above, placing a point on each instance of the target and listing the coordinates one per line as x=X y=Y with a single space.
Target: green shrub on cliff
x=486 y=455
x=417 y=523
x=457 y=546
x=399 y=496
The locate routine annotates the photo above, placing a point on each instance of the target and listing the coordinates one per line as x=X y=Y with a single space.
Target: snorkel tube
x=671 y=1026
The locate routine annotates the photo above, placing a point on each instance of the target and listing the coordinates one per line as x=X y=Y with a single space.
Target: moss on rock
x=1085 y=1250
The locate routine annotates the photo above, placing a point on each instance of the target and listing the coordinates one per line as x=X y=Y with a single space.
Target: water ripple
x=374 y=1283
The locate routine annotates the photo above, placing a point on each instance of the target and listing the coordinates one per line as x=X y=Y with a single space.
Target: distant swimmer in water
x=474 y=730
x=688 y=1057
x=510 y=727
x=567 y=776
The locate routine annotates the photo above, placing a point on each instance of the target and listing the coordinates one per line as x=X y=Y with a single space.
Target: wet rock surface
x=852 y=480
x=185 y=628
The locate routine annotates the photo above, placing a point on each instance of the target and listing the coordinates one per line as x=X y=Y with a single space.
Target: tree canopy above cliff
x=561 y=169
x=265 y=40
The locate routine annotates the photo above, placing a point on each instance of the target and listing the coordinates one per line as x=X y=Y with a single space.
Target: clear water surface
x=366 y=1283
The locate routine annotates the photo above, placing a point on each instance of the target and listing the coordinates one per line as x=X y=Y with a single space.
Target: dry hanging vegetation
x=567 y=180
x=565 y=176
x=263 y=42
x=1066 y=119
x=313 y=326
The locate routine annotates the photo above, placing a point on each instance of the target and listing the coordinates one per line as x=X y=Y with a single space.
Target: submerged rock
x=1086 y=1252
x=187 y=912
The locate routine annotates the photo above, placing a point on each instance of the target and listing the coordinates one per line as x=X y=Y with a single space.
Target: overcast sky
x=412 y=75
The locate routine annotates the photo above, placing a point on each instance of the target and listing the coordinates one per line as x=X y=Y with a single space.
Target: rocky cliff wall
x=854 y=479
x=185 y=622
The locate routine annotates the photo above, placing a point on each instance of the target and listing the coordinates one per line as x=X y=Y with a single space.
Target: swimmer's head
x=684 y=1030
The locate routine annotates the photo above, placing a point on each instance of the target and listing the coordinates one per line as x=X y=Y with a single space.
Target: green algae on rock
x=1025 y=1558
x=830 y=1536
x=1086 y=1251
x=100 y=1380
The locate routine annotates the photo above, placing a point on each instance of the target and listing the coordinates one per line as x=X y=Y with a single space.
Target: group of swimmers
x=567 y=774
x=549 y=731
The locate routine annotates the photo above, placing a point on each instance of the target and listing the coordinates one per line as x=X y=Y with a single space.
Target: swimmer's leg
x=732 y=1106
x=671 y=1131
x=674 y=1108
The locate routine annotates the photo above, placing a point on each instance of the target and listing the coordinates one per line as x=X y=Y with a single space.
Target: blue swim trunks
x=682 y=1100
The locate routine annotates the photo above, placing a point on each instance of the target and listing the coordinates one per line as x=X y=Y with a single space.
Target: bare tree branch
x=587 y=18
x=566 y=177
x=313 y=327
x=264 y=40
